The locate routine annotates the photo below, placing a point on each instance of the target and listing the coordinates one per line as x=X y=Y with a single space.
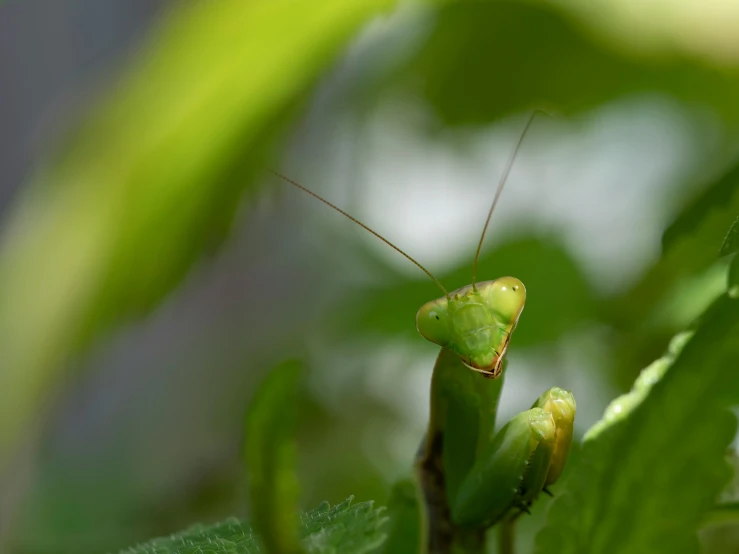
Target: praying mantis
x=469 y=477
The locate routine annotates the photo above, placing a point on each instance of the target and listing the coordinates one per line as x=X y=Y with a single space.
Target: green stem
x=506 y=538
x=469 y=541
x=436 y=531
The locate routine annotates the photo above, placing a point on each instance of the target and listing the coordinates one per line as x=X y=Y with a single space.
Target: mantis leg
x=471 y=478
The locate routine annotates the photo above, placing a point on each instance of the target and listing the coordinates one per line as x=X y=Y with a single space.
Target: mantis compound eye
x=506 y=297
x=432 y=322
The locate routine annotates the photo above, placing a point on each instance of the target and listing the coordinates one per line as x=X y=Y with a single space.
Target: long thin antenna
x=501 y=184
x=355 y=220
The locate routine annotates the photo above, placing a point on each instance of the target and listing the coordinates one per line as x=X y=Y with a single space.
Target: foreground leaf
x=691 y=244
x=152 y=179
x=404 y=513
x=706 y=218
x=486 y=59
x=706 y=34
x=655 y=464
x=731 y=241
x=270 y=458
x=341 y=529
x=733 y=278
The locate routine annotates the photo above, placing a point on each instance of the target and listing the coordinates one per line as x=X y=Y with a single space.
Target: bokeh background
x=152 y=271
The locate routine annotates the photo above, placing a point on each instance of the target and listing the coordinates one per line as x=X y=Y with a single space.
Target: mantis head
x=475 y=322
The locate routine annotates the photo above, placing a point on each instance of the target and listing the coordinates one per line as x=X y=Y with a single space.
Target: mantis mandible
x=470 y=477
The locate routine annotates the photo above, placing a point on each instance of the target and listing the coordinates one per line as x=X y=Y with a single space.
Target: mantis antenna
x=363 y=226
x=501 y=184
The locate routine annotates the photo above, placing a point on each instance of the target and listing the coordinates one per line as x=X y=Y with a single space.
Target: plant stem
x=437 y=535
x=469 y=541
x=506 y=538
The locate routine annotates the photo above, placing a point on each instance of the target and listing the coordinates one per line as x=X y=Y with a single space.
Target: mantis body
x=470 y=477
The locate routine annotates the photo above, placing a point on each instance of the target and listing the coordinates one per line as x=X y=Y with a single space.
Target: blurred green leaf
x=404 y=513
x=731 y=241
x=733 y=278
x=558 y=297
x=702 y=34
x=706 y=218
x=485 y=59
x=690 y=244
x=628 y=493
x=342 y=529
x=271 y=459
x=153 y=178
x=725 y=512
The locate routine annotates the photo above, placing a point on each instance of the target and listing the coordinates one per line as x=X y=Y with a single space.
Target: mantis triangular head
x=475 y=322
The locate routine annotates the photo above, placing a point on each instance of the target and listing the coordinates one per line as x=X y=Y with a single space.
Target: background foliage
x=150 y=273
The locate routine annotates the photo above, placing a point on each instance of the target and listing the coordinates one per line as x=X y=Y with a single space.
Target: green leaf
x=344 y=528
x=341 y=529
x=404 y=513
x=733 y=278
x=153 y=178
x=723 y=513
x=270 y=454
x=654 y=465
x=705 y=219
x=731 y=240
x=702 y=35
x=690 y=244
x=486 y=59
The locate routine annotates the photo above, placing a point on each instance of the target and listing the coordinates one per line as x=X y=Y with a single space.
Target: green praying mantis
x=470 y=477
